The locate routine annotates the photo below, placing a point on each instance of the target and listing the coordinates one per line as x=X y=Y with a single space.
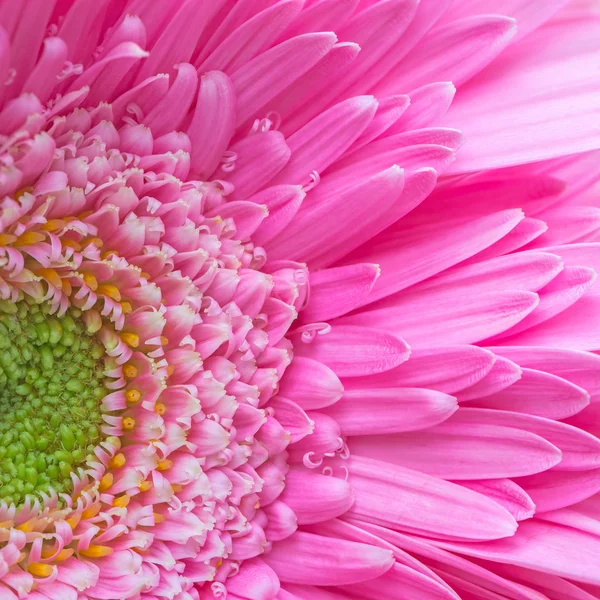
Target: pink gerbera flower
x=269 y=330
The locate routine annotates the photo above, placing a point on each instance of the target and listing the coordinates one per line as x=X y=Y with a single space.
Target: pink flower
x=269 y=330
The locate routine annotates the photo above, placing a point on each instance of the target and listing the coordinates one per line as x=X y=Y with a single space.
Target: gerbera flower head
x=265 y=334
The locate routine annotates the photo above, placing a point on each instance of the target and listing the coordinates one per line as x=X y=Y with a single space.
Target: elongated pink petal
x=213 y=122
x=390 y=410
x=356 y=351
x=554 y=490
x=446 y=369
x=311 y=384
x=507 y=493
x=538 y=393
x=324 y=139
x=452 y=450
x=502 y=375
x=315 y=498
x=443 y=317
x=544 y=547
x=270 y=73
x=326 y=561
x=335 y=292
x=321 y=233
x=402 y=499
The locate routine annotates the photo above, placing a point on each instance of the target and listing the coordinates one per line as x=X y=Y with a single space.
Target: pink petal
x=356 y=351
x=410 y=501
x=390 y=410
x=506 y=493
x=315 y=498
x=326 y=561
x=503 y=374
x=335 y=292
x=453 y=450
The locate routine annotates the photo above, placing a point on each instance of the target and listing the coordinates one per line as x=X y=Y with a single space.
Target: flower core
x=51 y=387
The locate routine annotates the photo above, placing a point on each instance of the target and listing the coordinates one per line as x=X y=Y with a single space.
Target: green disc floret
x=51 y=385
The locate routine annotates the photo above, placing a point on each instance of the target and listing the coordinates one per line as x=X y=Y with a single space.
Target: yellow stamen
x=40 y=569
x=74 y=520
x=130 y=371
x=53 y=225
x=132 y=396
x=106 y=482
x=219 y=563
x=29 y=238
x=91 y=512
x=25 y=190
x=160 y=408
x=170 y=370
x=177 y=487
x=122 y=501
x=28 y=526
x=110 y=290
x=96 y=241
x=163 y=340
x=131 y=339
x=145 y=486
x=72 y=244
x=6 y=524
x=127 y=308
x=81 y=216
x=158 y=518
x=117 y=461
x=97 y=551
x=51 y=276
x=145 y=275
x=62 y=555
x=165 y=464
x=67 y=288
x=90 y=281
x=128 y=423
x=7 y=238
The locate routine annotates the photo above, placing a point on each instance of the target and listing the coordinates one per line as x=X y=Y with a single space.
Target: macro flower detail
x=284 y=315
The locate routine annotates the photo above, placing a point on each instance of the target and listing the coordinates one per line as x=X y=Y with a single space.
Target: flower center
x=51 y=387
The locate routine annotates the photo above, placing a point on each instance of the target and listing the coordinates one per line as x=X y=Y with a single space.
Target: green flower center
x=51 y=386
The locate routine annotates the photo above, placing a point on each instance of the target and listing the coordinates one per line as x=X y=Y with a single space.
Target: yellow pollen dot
x=81 y=216
x=51 y=276
x=7 y=238
x=66 y=287
x=97 y=551
x=128 y=423
x=122 y=501
x=145 y=275
x=177 y=487
x=29 y=238
x=170 y=370
x=72 y=244
x=92 y=511
x=110 y=290
x=219 y=563
x=108 y=254
x=145 y=486
x=163 y=340
x=127 y=308
x=130 y=371
x=39 y=569
x=106 y=482
x=165 y=464
x=53 y=225
x=131 y=339
x=28 y=526
x=257 y=505
x=90 y=281
x=160 y=408
x=117 y=461
x=158 y=518
x=132 y=396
